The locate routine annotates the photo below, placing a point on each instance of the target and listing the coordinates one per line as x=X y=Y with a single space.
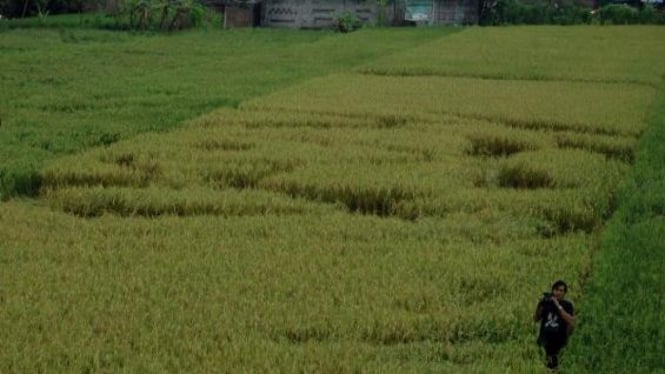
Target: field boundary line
x=511 y=78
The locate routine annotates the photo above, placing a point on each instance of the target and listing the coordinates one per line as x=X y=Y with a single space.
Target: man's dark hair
x=560 y=283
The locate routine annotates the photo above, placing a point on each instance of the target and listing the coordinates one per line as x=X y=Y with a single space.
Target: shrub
x=649 y=15
x=21 y=8
x=126 y=14
x=348 y=22
x=619 y=14
x=152 y=14
x=514 y=12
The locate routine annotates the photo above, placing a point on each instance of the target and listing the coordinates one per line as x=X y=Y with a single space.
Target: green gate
x=419 y=11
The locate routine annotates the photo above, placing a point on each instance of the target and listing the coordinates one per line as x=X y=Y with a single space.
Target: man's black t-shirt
x=553 y=328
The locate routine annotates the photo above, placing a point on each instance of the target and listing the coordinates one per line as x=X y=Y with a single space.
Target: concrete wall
x=318 y=13
x=456 y=12
x=238 y=17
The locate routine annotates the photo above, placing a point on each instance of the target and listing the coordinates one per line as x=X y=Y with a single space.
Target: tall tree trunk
x=25 y=8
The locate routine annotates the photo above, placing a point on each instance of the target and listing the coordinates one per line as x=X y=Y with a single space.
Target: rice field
x=571 y=53
x=65 y=89
x=404 y=215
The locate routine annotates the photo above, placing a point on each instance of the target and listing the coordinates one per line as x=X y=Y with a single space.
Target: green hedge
x=621 y=14
x=139 y=15
x=514 y=12
x=20 y=8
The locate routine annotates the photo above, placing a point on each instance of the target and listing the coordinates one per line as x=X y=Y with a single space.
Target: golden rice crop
x=616 y=147
x=91 y=172
x=153 y=201
x=418 y=169
x=552 y=168
x=268 y=287
x=579 y=53
x=611 y=109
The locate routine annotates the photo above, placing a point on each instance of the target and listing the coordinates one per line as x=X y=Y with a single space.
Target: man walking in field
x=557 y=320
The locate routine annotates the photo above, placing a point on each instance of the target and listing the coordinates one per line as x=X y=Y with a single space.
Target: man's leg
x=552 y=354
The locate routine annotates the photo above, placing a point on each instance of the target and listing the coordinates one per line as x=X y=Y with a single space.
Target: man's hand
x=556 y=303
x=570 y=319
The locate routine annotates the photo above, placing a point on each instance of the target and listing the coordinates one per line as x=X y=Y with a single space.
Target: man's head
x=559 y=289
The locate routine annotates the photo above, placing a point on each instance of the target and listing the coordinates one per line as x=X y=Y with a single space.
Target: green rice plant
x=18 y=174
x=61 y=21
x=598 y=54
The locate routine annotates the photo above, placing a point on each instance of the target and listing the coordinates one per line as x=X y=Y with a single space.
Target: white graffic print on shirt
x=552 y=320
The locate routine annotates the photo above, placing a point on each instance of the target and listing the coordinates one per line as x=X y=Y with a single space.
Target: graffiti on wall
x=314 y=13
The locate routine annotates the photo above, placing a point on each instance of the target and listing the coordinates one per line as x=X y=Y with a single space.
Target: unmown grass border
x=622 y=324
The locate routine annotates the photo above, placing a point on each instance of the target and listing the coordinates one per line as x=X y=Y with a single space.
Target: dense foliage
x=166 y=15
x=29 y=8
x=516 y=12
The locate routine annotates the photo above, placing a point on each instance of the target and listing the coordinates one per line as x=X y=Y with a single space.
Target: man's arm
x=538 y=314
x=565 y=315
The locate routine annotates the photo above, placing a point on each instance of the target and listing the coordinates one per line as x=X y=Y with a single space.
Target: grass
x=352 y=222
x=61 y=21
x=92 y=21
x=622 y=329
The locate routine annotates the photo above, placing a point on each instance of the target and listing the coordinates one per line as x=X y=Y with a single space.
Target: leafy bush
x=122 y=14
x=648 y=14
x=514 y=12
x=619 y=14
x=623 y=14
x=23 y=8
x=157 y=15
x=348 y=22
